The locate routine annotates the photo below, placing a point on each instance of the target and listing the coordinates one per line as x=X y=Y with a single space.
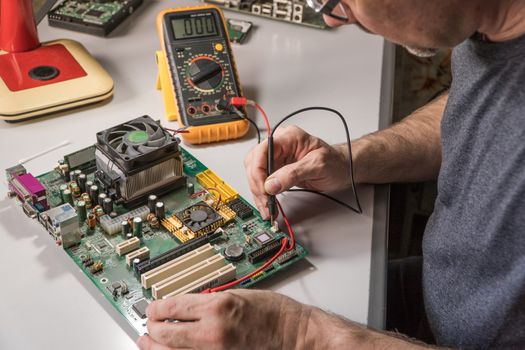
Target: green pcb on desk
x=99 y=246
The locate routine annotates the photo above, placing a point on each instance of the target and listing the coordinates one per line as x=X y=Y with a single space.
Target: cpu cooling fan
x=137 y=137
x=137 y=141
x=200 y=217
x=138 y=158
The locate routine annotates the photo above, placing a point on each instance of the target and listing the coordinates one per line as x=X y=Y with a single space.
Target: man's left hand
x=235 y=319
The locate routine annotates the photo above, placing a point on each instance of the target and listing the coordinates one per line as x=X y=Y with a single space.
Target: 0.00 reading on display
x=194 y=27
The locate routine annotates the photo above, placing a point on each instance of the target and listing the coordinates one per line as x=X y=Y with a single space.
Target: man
x=473 y=249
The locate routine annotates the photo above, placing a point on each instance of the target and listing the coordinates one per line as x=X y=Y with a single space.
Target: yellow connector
x=208 y=179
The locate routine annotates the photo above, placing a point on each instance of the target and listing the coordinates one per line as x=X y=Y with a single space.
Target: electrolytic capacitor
x=190 y=188
x=81 y=181
x=77 y=174
x=67 y=196
x=88 y=185
x=62 y=188
x=93 y=193
x=72 y=176
x=160 y=212
x=137 y=227
x=81 y=211
x=125 y=228
x=152 y=199
x=107 y=205
x=91 y=221
x=101 y=198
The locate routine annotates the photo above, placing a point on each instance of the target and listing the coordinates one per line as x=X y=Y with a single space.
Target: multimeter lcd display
x=194 y=27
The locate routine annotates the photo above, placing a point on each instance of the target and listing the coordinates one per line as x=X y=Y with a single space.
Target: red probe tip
x=238 y=101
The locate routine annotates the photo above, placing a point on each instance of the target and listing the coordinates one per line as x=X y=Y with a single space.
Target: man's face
x=420 y=25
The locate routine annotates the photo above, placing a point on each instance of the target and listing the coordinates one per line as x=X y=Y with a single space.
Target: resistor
x=81 y=211
x=107 y=205
x=101 y=198
x=160 y=212
x=67 y=196
x=91 y=221
x=152 y=199
x=137 y=227
x=81 y=181
x=93 y=193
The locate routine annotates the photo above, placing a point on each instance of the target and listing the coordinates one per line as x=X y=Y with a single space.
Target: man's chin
x=422 y=52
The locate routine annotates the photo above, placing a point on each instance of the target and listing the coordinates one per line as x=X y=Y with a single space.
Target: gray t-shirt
x=474 y=244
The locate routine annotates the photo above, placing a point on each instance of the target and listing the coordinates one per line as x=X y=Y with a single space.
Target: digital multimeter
x=196 y=72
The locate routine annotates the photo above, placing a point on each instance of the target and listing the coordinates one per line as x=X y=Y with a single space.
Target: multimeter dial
x=205 y=74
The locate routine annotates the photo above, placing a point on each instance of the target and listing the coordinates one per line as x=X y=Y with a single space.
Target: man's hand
x=236 y=319
x=302 y=160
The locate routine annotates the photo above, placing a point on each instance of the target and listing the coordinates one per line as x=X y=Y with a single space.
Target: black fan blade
x=145 y=149
x=148 y=128
x=156 y=143
x=113 y=143
x=131 y=126
x=158 y=134
x=130 y=151
x=121 y=148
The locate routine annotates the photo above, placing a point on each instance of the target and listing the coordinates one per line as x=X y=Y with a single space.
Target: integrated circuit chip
x=263 y=238
x=140 y=308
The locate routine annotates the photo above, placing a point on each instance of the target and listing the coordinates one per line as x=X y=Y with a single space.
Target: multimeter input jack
x=205 y=108
x=192 y=110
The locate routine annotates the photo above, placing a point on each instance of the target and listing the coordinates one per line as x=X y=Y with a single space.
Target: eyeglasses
x=328 y=7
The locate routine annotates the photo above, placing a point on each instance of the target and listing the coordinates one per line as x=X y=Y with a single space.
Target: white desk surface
x=45 y=300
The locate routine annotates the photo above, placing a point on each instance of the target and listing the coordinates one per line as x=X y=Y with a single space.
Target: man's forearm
x=325 y=331
x=408 y=151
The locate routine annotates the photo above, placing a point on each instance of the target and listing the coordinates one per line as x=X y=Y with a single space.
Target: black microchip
x=140 y=307
x=94 y=13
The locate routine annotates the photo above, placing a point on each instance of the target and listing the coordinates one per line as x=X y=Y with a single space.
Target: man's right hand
x=300 y=159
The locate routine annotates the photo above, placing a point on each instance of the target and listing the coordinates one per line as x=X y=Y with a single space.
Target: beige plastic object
x=96 y=86
x=127 y=246
x=177 y=265
x=223 y=275
x=141 y=254
x=188 y=276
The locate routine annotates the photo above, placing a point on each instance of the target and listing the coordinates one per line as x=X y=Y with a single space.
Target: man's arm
x=408 y=151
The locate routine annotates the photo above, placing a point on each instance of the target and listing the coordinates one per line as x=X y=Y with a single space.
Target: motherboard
x=144 y=219
x=97 y=17
x=292 y=11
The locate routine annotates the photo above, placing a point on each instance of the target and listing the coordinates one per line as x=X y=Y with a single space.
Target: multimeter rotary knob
x=205 y=73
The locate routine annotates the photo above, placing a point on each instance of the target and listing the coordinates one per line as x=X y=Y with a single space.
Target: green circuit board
x=93 y=17
x=99 y=246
